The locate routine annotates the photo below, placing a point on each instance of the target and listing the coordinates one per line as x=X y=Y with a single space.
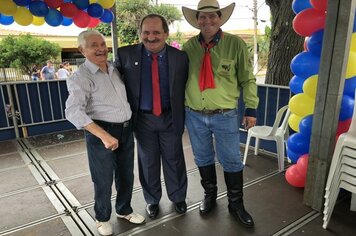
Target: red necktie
x=155 y=87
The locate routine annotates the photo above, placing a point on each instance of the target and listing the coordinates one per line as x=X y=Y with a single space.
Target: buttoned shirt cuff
x=250 y=112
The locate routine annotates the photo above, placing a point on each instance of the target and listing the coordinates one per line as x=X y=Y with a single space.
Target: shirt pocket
x=226 y=67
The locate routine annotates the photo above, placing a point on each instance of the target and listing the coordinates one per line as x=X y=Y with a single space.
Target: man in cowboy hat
x=218 y=69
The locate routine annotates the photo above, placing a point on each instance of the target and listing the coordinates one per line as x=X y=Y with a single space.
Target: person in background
x=155 y=75
x=66 y=66
x=219 y=69
x=48 y=72
x=62 y=72
x=36 y=73
x=97 y=103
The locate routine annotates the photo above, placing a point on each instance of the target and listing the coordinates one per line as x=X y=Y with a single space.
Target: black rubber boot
x=208 y=181
x=234 y=183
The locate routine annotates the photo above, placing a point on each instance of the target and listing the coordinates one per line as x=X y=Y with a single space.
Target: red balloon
x=69 y=10
x=82 y=19
x=54 y=3
x=343 y=126
x=321 y=5
x=294 y=178
x=93 y=22
x=302 y=165
x=308 y=21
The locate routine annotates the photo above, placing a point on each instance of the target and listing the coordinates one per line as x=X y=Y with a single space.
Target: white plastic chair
x=275 y=132
x=342 y=173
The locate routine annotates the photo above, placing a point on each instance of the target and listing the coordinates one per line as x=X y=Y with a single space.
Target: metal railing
x=29 y=108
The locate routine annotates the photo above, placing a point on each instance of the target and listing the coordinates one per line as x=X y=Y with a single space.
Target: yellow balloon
x=351 y=68
x=8 y=7
x=23 y=16
x=301 y=105
x=294 y=121
x=353 y=42
x=310 y=85
x=92 y=1
x=106 y=3
x=38 y=20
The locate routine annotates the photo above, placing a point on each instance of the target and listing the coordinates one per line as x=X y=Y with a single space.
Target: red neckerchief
x=206 y=75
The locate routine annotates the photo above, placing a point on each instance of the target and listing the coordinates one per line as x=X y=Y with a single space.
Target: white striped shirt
x=96 y=95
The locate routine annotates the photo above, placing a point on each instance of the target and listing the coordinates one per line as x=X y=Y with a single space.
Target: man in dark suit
x=155 y=75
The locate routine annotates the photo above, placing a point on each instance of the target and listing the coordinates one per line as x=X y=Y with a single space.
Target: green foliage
x=25 y=50
x=129 y=14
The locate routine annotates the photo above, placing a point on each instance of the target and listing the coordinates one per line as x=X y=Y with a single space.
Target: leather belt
x=151 y=112
x=105 y=124
x=212 y=112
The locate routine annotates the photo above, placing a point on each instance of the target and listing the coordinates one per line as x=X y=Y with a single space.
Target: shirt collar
x=160 y=53
x=215 y=39
x=94 y=68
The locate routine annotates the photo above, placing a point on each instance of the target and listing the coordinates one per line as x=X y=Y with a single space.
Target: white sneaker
x=133 y=218
x=104 y=228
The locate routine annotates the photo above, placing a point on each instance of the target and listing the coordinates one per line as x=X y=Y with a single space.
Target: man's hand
x=248 y=121
x=109 y=141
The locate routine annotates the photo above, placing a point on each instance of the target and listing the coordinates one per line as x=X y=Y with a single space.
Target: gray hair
x=82 y=37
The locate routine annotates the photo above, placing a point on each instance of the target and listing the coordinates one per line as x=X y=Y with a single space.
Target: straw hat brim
x=190 y=14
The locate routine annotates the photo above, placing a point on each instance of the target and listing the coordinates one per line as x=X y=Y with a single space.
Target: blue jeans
x=106 y=165
x=224 y=127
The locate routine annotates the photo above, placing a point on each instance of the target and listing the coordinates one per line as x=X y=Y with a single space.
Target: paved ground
x=45 y=189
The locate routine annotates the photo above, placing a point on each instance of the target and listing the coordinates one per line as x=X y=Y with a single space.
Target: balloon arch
x=310 y=22
x=83 y=13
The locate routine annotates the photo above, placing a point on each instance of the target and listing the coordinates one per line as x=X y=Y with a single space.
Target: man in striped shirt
x=97 y=103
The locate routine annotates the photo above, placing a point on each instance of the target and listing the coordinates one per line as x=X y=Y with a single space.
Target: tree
x=129 y=14
x=284 y=44
x=25 y=50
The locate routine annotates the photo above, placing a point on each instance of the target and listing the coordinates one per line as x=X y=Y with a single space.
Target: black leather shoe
x=152 y=210
x=242 y=216
x=207 y=205
x=181 y=207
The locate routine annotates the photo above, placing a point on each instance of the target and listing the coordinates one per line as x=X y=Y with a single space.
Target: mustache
x=151 y=41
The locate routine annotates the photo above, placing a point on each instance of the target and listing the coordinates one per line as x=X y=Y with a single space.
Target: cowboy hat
x=207 y=6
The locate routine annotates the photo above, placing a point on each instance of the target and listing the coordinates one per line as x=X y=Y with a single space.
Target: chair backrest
x=284 y=124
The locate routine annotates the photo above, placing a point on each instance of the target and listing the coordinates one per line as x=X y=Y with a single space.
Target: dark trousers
x=156 y=142
x=106 y=165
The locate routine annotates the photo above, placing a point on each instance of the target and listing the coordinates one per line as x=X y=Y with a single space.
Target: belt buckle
x=125 y=124
x=207 y=112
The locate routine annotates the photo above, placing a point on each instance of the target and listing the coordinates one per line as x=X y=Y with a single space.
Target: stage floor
x=46 y=189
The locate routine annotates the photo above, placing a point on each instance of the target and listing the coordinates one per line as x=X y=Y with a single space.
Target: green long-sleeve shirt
x=232 y=71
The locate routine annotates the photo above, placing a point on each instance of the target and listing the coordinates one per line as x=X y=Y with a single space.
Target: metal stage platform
x=45 y=190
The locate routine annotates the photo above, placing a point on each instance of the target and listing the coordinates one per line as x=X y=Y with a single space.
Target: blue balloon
x=298 y=143
x=54 y=17
x=95 y=10
x=347 y=108
x=293 y=156
x=300 y=5
x=22 y=2
x=107 y=17
x=305 y=126
x=67 y=21
x=65 y=1
x=81 y=4
x=315 y=43
x=305 y=64
x=38 y=8
x=296 y=84
x=6 y=20
x=350 y=87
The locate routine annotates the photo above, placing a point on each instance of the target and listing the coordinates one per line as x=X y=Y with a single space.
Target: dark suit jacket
x=129 y=64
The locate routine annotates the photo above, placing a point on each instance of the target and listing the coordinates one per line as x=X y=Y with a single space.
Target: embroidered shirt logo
x=226 y=68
